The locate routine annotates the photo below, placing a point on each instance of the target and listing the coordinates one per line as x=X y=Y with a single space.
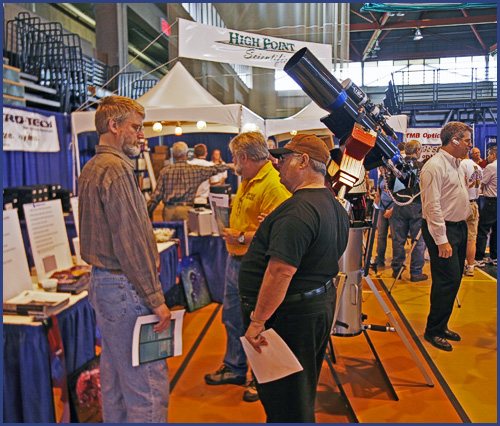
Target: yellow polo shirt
x=262 y=194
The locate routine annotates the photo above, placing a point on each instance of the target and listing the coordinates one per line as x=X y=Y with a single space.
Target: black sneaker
x=250 y=394
x=224 y=376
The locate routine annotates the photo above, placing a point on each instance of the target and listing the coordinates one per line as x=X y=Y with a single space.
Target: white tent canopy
x=307 y=120
x=179 y=98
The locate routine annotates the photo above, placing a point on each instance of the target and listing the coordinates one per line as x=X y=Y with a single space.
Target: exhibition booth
x=32 y=367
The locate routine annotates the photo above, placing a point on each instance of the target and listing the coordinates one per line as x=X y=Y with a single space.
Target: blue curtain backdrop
x=31 y=168
x=481 y=131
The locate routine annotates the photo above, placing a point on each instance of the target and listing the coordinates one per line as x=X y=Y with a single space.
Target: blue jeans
x=235 y=357
x=129 y=394
x=383 y=226
x=407 y=219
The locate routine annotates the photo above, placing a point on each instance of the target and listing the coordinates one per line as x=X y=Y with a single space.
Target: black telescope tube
x=325 y=90
x=314 y=79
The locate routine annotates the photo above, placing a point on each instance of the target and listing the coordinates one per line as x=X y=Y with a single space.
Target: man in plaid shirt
x=177 y=184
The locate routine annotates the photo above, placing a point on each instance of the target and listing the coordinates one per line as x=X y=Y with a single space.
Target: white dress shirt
x=490 y=180
x=473 y=176
x=203 y=190
x=444 y=195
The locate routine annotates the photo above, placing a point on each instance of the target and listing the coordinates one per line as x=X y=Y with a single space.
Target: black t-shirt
x=308 y=231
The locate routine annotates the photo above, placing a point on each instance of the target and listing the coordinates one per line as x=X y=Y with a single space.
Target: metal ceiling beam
x=473 y=28
x=361 y=16
x=452 y=41
x=375 y=36
x=426 y=23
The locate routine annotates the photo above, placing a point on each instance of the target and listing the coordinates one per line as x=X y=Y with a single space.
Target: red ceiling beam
x=361 y=16
x=473 y=28
x=451 y=40
x=426 y=23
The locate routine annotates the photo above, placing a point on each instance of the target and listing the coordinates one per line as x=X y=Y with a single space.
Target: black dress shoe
x=451 y=335
x=439 y=342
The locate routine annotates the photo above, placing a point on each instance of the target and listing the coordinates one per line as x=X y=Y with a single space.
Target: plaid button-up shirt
x=177 y=183
x=115 y=230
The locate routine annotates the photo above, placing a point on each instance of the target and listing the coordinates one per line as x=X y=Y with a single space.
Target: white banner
x=29 y=131
x=428 y=137
x=198 y=41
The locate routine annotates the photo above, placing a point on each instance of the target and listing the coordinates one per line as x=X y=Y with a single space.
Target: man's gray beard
x=238 y=169
x=131 y=150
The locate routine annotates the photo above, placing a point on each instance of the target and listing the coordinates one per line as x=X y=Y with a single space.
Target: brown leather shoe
x=439 y=342
x=416 y=279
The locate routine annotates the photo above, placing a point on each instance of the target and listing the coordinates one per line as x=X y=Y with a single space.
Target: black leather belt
x=237 y=257
x=180 y=204
x=294 y=297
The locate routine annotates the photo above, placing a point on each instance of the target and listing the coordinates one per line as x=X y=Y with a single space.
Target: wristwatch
x=241 y=238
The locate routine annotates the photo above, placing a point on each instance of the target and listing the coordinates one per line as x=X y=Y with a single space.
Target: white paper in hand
x=275 y=361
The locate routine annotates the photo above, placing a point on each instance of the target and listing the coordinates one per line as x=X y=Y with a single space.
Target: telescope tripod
x=341 y=289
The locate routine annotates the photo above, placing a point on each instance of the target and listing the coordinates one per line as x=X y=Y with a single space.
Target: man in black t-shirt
x=285 y=279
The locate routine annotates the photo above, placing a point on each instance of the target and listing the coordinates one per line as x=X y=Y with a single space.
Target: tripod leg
x=399 y=330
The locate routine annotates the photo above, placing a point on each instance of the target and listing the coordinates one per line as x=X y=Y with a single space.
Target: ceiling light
x=178 y=130
x=250 y=127
x=376 y=47
x=418 y=35
x=201 y=125
x=157 y=127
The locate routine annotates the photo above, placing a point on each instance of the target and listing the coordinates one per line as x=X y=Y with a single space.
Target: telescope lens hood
x=315 y=80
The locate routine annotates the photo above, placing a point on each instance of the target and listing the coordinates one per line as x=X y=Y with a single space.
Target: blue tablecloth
x=213 y=253
x=168 y=268
x=27 y=388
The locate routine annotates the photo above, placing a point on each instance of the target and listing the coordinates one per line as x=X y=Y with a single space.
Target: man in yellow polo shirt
x=259 y=194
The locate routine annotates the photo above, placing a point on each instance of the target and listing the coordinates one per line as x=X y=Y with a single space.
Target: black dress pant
x=305 y=326
x=487 y=222
x=446 y=275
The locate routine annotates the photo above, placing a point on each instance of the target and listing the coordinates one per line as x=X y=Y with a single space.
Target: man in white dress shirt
x=488 y=217
x=445 y=207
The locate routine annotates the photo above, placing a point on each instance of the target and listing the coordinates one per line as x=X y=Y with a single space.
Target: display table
x=213 y=254
x=27 y=386
x=180 y=231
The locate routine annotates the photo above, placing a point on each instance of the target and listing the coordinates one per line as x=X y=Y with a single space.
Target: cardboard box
x=158 y=157
x=200 y=221
x=161 y=149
